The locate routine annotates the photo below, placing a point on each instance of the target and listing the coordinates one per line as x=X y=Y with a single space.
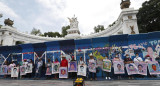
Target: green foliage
x=112 y=24
x=64 y=30
x=36 y=31
x=148 y=17
x=98 y=28
x=19 y=42
x=52 y=34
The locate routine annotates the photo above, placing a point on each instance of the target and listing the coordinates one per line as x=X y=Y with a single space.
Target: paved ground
x=70 y=83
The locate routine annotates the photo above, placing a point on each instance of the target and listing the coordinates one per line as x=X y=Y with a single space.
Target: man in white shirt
x=137 y=58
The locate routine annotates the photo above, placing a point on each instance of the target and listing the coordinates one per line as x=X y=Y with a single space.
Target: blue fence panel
x=138 y=44
x=154 y=45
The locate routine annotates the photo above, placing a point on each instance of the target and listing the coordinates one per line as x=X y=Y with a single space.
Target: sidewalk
x=70 y=83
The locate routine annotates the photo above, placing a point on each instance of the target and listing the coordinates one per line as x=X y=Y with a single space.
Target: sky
x=51 y=15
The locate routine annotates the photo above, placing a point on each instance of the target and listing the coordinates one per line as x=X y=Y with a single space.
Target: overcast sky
x=51 y=15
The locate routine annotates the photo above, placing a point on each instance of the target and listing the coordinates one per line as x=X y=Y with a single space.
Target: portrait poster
x=106 y=65
x=100 y=63
x=142 y=68
x=131 y=69
x=28 y=68
x=63 y=72
x=82 y=70
x=92 y=66
x=22 y=70
x=14 y=71
x=49 y=70
x=72 y=66
x=9 y=70
x=153 y=68
x=118 y=67
x=55 y=68
x=4 y=69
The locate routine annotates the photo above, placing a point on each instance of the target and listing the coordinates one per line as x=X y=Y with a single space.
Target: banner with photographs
x=4 y=69
x=14 y=71
x=63 y=72
x=92 y=66
x=131 y=69
x=55 y=68
x=142 y=68
x=107 y=65
x=28 y=68
x=153 y=68
x=72 y=66
x=82 y=70
x=49 y=70
x=22 y=70
x=9 y=70
x=118 y=67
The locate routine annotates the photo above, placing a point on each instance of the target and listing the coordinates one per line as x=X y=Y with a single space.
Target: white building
x=125 y=24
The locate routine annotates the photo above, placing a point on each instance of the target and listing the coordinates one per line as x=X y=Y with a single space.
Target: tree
x=52 y=34
x=148 y=17
x=36 y=31
x=64 y=30
x=98 y=28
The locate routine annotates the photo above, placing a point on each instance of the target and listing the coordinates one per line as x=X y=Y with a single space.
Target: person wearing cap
x=147 y=59
x=128 y=60
x=64 y=62
x=25 y=63
x=92 y=74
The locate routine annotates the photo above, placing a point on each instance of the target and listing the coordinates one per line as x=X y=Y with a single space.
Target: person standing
x=33 y=72
x=55 y=62
x=128 y=60
x=25 y=63
x=5 y=63
x=48 y=66
x=116 y=58
x=107 y=73
x=147 y=59
x=92 y=74
x=81 y=63
x=64 y=62
x=73 y=74
x=39 y=69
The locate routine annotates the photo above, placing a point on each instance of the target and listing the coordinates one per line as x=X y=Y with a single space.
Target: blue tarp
x=52 y=46
x=27 y=48
x=67 y=46
x=28 y=51
x=100 y=42
x=83 y=44
x=39 y=48
x=138 y=44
